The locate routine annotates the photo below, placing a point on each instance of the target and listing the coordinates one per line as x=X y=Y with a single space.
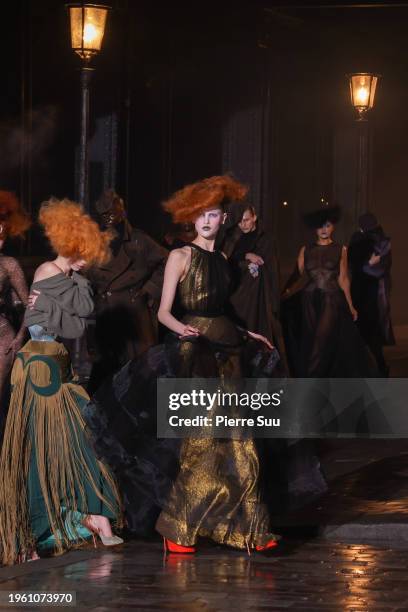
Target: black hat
x=367 y=222
x=317 y=218
x=106 y=201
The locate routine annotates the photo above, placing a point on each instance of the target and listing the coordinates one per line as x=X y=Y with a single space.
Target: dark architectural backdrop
x=178 y=94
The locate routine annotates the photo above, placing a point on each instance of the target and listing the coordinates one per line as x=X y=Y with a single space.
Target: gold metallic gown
x=217 y=491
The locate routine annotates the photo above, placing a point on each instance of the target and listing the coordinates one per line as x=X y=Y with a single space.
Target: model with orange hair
x=13 y=288
x=73 y=235
x=54 y=492
x=214 y=492
x=218 y=499
x=13 y=219
x=187 y=203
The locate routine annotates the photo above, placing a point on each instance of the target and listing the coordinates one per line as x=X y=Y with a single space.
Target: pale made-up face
x=248 y=222
x=77 y=264
x=209 y=222
x=325 y=232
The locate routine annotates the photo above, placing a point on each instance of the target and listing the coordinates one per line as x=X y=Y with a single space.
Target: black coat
x=256 y=301
x=127 y=291
x=136 y=268
x=371 y=285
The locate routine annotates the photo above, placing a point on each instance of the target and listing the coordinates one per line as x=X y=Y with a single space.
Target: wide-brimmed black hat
x=317 y=218
x=106 y=201
x=367 y=222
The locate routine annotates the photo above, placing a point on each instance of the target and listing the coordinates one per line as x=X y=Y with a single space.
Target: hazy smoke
x=33 y=140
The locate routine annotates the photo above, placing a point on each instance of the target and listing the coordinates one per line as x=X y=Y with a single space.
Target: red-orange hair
x=14 y=219
x=72 y=233
x=188 y=203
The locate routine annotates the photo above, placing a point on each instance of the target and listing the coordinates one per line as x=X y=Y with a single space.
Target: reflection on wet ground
x=309 y=576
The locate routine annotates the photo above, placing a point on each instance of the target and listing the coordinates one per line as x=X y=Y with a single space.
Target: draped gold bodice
x=203 y=295
x=206 y=288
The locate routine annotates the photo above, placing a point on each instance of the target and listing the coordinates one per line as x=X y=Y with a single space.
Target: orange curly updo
x=72 y=233
x=188 y=203
x=13 y=218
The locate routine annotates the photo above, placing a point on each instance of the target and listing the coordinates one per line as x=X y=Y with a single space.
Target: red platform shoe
x=172 y=547
x=267 y=546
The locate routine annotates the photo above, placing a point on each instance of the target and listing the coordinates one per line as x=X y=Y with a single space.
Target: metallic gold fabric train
x=217 y=492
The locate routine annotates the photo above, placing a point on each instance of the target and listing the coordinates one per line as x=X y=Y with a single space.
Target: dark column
x=78 y=359
x=83 y=169
x=363 y=168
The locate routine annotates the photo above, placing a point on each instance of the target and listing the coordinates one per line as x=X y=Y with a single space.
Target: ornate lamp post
x=363 y=87
x=87 y=23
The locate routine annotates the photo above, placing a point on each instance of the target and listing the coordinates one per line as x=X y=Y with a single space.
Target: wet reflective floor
x=309 y=576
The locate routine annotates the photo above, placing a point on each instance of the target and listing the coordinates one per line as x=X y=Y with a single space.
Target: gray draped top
x=62 y=306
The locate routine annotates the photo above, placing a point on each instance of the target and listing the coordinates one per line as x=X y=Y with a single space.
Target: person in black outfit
x=256 y=298
x=126 y=290
x=370 y=263
x=330 y=344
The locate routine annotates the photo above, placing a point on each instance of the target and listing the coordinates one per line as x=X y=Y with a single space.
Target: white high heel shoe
x=110 y=540
x=106 y=540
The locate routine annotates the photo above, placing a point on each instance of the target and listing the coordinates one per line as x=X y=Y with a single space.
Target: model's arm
x=344 y=282
x=75 y=298
x=301 y=260
x=19 y=286
x=81 y=297
x=260 y=338
x=176 y=266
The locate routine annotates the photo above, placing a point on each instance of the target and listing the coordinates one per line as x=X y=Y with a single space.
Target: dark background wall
x=179 y=94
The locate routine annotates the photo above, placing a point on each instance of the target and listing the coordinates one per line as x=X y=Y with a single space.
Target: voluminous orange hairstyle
x=188 y=203
x=14 y=219
x=72 y=233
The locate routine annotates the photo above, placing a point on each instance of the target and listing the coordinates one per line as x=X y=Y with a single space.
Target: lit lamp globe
x=362 y=91
x=87 y=23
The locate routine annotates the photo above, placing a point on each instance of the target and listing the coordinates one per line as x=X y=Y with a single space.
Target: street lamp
x=87 y=28
x=363 y=86
x=87 y=22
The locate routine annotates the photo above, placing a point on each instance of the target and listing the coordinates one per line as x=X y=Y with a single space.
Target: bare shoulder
x=302 y=251
x=180 y=256
x=46 y=270
x=183 y=251
x=178 y=262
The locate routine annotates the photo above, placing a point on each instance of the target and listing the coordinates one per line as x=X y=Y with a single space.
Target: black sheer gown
x=331 y=345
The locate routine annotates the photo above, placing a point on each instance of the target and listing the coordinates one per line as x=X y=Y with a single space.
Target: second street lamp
x=363 y=86
x=87 y=22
